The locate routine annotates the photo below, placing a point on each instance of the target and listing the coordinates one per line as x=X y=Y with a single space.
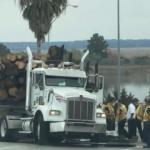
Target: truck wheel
x=95 y=139
x=4 y=131
x=42 y=131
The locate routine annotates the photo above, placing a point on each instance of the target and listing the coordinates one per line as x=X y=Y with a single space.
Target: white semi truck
x=60 y=103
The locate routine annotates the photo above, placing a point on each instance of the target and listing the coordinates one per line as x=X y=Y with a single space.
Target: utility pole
x=118 y=16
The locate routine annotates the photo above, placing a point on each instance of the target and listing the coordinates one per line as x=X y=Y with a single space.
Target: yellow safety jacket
x=123 y=114
x=111 y=110
x=103 y=108
x=139 y=112
x=145 y=116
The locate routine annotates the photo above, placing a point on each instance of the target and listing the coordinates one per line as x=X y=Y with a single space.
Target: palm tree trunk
x=38 y=47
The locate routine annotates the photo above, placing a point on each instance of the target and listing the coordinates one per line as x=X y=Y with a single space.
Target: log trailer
x=61 y=103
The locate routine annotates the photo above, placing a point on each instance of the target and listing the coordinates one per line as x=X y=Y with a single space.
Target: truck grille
x=81 y=110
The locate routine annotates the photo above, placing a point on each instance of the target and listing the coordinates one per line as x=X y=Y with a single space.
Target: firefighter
x=146 y=120
x=121 y=118
x=110 y=115
x=139 y=116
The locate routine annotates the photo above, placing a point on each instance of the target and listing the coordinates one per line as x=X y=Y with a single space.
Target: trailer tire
x=41 y=131
x=4 y=131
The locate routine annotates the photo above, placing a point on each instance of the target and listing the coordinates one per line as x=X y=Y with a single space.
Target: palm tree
x=40 y=14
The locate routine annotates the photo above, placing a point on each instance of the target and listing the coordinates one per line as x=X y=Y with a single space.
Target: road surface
x=31 y=145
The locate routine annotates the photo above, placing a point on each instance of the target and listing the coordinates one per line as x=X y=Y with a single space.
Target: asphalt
x=31 y=145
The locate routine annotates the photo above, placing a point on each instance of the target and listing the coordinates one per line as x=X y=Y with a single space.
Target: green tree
x=97 y=44
x=3 y=50
x=124 y=95
x=40 y=14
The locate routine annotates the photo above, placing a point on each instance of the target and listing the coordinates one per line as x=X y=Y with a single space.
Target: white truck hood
x=69 y=91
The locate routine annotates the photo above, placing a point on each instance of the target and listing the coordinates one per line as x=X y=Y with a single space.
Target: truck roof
x=61 y=72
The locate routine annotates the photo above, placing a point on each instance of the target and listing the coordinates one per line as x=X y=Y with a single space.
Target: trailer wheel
x=4 y=131
x=41 y=131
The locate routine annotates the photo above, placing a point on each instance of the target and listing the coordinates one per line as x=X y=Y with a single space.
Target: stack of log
x=13 y=75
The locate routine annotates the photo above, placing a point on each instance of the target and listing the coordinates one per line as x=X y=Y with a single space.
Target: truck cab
x=62 y=103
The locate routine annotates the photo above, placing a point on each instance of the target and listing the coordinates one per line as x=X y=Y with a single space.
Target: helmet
x=147 y=99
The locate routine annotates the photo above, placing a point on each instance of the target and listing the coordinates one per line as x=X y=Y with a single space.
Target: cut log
x=6 y=61
x=17 y=63
x=8 y=55
x=39 y=66
x=2 y=75
x=10 y=81
x=43 y=58
x=12 y=91
x=20 y=94
x=11 y=69
x=19 y=56
x=3 y=94
x=34 y=65
x=12 y=57
x=21 y=80
x=21 y=65
x=2 y=85
x=36 y=58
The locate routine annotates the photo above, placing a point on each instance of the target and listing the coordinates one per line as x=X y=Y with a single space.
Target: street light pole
x=55 y=17
x=118 y=16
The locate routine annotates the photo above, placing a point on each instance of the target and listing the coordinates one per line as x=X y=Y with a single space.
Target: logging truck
x=61 y=103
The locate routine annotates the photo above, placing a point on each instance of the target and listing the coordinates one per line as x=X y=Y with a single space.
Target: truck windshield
x=64 y=81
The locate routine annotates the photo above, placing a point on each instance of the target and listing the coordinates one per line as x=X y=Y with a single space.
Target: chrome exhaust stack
x=28 y=79
x=83 y=58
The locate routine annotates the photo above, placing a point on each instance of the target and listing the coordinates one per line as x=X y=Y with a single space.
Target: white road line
x=8 y=147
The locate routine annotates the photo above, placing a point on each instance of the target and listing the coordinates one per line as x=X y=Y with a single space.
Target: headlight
x=54 y=112
x=100 y=115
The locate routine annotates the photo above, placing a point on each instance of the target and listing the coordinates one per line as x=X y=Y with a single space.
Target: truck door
x=95 y=84
x=37 y=94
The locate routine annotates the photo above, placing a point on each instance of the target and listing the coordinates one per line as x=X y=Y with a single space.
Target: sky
x=91 y=16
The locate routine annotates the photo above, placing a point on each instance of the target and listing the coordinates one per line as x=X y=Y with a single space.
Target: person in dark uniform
x=131 y=116
x=146 y=120
x=121 y=118
x=139 y=116
x=109 y=110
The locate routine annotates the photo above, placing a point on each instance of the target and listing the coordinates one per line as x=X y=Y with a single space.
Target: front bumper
x=77 y=127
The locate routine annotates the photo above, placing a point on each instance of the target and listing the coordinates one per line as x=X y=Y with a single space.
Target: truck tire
x=4 y=131
x=41 y=131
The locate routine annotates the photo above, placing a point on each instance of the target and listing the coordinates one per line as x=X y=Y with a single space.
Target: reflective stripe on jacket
x=139 y=112
x=145 y=116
